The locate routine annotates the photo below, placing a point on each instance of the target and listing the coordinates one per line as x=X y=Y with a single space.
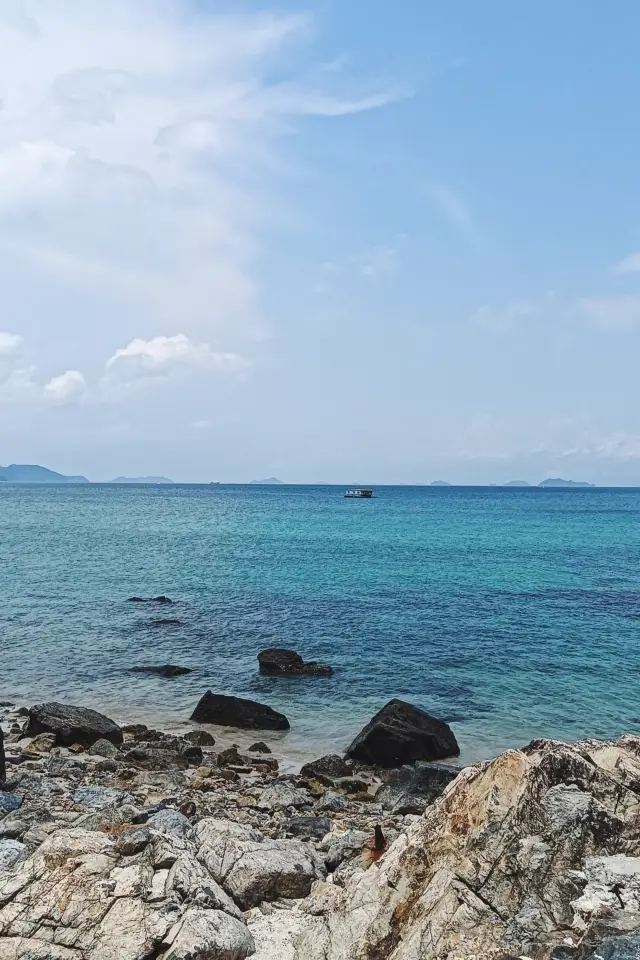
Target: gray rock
x=170 y=822
x=237 y=712
x=211 y=934
x=72 y=724
x=3 y=765
x=332 y=803
x=619 y=948
x=307 y=828
x=251 y=868
x=189 y=880
x=401 y=733
x=104 y=748
x=343 y=847
x=11 y=852
x=279 y=796
x=99 y=797
x=9 y=802
x=201 y=738
x=412 y=789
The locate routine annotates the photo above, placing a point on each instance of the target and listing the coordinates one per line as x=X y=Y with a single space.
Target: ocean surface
x=512 y=613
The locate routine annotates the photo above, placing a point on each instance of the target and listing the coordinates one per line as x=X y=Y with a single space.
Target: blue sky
x=325 y=241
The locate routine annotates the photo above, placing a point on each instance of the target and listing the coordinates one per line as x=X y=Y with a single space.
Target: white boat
x=359 y=493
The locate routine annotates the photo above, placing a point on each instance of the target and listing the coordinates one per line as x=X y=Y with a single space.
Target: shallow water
x=512 y=613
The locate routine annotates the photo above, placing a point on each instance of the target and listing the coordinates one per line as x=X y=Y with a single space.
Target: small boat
x=359 y=493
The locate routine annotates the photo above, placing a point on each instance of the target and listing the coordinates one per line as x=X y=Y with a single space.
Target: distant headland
x=268 y=481
x=141 y=480
x=33 y=473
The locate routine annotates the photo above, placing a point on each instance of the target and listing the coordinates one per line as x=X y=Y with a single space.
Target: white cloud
x=503 y=319
x=17 y=382
x=66 y=388
x=614 y=314
x=377 y=262
x=10 y=344
x=161 y=356
x=630 y=264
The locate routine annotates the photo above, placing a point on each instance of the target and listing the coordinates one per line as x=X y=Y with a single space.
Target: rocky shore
x=125 y=843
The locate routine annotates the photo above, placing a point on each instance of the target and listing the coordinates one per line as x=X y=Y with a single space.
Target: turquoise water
x=512 y=613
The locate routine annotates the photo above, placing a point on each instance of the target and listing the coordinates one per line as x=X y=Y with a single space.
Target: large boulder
x=237 y=712
x=412 y=788
x=252 y=868
x=277 y=662
x=72 y=724
x=536 y=854
x=330 y=767
x=401 y=733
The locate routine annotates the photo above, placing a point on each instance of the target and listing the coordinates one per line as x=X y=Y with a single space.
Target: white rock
x=210 y=934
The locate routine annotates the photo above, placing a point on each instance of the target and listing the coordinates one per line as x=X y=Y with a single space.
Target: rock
x=412 y=789
x=279 y=662
x=619 y=948
x=251 y=868
x=42 y=743
x=163 y=670
x=332 y=803
x=307 y=828
x=11 y=852
x=352 y=784
x=524 y=856
x=213 y=934
x=236 y=712
x=159 y=757
x=201 y=738
x=165 y=622
x=9 y=802
x=104 y=748
x=330 y=767
x=343 y=847
x=259 y=747
x=279 y=796
x=99 y=797
x=3 y=765
x=72 y=724
x=160 y=599
x=401 y=733
x=230 y=755
x=170 y=822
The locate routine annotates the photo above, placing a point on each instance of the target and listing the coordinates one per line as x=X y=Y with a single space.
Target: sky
x=323 y=241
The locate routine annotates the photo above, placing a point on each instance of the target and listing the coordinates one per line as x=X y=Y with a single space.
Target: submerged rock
x=163 y=670
x=523 y=856
x=401 y=733
x=237 y=712
x=412 y=788
x=280 y=662
x=160 y=599
x=72 y=724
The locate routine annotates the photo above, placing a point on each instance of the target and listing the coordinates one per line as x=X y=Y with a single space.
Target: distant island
x=33 y=473
x=517 y=483
x=439 y=483
x=270 y=480
x=141 y=480
x=558 y=482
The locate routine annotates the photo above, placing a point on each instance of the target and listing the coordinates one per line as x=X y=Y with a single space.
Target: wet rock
x=330 y=767
x=99 y=797
x=72 y=724
x=163 y=670
x=251 y=868
x=228 y=756
x=279 y=796
x=259 y=747
x=307 y=828
x=104 y=748
x=279 y=662
x=201 y=738
x=332 y=803
x=401 y=733
x=237 y=712
x=412 y=788
x=134 y=729
x=160 y=599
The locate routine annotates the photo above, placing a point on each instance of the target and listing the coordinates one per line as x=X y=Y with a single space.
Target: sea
x=512 y=613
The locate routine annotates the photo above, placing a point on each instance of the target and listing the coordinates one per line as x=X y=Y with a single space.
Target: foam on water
x=512 y=613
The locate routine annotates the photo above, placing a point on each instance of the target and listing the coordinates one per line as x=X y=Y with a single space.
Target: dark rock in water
x=166 y=622
x=412 y=789
x=3 y=766
x=307 y=828
x=401 y=733
x=72 y=724
x=236 y=712
x=330 y=767
x=277 y=662
x=163 y=670
x=134 y=729
x=160 y=599
x=259 y=747
x=201 y=738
